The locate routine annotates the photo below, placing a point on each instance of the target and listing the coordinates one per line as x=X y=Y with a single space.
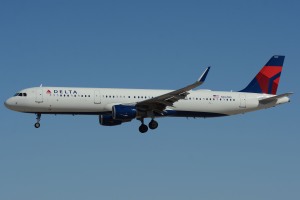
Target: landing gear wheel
x=143 y=128
x=153 y=124
x=37 y=125
x=38 y=119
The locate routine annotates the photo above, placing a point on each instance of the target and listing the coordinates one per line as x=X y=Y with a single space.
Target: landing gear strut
x=153 y=124
x=143 y=128
x=38 y=119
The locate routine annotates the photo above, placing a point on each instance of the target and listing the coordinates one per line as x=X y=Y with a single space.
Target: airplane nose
x=8 y=103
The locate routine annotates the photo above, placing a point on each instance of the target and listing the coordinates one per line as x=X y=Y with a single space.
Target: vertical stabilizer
x=267 y=79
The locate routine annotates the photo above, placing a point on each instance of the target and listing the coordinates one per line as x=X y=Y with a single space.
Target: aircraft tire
x=143 y=128
x=37 y=125
x=153 y=124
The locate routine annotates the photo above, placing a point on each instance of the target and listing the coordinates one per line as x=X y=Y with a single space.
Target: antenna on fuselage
x=41 y=85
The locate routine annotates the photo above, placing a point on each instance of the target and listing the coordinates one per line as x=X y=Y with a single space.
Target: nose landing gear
x=38 y=119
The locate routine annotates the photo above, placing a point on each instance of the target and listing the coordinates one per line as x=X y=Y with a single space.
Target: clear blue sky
x=148 y=44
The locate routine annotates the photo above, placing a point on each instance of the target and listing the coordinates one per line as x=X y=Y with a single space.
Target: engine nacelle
x=123 y=113
x=107 y=120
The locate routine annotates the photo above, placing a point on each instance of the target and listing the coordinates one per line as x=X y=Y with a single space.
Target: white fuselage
x=97 y=101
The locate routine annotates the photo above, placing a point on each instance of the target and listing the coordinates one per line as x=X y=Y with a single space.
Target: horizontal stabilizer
x=274 y=98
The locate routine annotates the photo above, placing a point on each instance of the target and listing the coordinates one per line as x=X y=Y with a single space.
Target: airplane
x=115 y=106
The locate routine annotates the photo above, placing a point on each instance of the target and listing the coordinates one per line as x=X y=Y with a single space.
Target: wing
x=158 y=104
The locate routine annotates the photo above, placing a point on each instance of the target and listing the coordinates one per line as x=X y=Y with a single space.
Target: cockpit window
x=20 y=94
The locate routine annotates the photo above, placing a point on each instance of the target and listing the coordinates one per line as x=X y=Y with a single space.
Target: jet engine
x=123 y=113
x=107 y=120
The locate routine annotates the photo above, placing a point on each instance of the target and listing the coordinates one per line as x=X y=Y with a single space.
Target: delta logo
x=62 y=92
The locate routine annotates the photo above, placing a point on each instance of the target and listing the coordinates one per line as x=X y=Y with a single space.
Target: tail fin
x=267 y=79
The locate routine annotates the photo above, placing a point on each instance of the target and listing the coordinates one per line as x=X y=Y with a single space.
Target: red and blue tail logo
x=267 y=80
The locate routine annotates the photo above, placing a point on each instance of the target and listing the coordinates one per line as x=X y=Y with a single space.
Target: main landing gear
x=144 y=128
x=38 y=119
x=153 y=124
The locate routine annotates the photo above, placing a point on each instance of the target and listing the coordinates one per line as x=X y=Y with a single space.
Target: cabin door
x=242 y=101
x=97 y=97
x=39 y=95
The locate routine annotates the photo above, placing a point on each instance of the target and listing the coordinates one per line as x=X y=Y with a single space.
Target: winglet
x=203 y=76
